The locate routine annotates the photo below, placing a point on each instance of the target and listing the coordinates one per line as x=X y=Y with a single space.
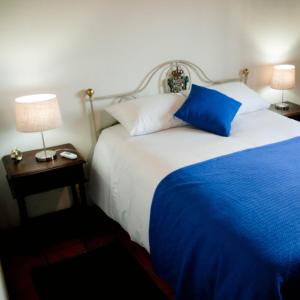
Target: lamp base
x=45 y=155
x=282 y=106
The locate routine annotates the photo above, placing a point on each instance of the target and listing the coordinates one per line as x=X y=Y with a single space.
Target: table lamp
x=37 y=113
x=283 y=79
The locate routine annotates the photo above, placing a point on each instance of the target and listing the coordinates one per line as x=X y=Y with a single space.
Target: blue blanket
x=229 y=228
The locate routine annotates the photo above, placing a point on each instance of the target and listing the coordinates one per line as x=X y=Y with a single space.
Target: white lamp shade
x=37 y=113
x=283 y=77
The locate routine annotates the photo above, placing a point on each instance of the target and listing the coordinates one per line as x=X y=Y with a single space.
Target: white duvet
x=126 y=170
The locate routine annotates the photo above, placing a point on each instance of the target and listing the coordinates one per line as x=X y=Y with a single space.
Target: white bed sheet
x=126 y=170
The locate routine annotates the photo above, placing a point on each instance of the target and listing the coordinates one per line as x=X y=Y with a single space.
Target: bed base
x=140 y=254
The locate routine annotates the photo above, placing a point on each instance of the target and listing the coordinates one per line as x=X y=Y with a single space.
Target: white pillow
x=148 y=114
x=250 y=100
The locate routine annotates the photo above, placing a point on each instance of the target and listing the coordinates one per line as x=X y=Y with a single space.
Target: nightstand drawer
x=47 y=181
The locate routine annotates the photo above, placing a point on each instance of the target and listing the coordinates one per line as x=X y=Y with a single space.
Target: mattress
x=126 y=170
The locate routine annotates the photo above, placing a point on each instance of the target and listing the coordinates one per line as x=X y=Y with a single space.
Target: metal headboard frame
x=164 y=68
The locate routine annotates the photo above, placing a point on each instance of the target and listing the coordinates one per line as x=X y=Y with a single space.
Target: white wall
x=64 y=46
x=3 y=290
x=271 y=35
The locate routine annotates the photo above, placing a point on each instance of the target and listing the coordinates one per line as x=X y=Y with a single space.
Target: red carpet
x=58 y=237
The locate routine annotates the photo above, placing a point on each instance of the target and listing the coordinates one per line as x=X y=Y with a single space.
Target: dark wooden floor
x=58 y=236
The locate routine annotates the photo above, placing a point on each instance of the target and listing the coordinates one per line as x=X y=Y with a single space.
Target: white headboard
x=174 y=76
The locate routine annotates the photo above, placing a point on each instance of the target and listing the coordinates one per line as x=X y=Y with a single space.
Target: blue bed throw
x=229 y=228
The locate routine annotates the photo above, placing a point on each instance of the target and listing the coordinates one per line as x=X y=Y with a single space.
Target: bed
x=130 y=173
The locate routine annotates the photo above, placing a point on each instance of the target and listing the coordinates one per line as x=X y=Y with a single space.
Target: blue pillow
x=209 y=110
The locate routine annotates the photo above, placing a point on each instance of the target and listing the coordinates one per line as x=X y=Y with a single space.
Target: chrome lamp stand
x=282 y=105
x=45 y=155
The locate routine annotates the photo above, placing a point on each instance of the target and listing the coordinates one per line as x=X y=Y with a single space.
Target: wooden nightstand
x=29 y=177
x=293 y=112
